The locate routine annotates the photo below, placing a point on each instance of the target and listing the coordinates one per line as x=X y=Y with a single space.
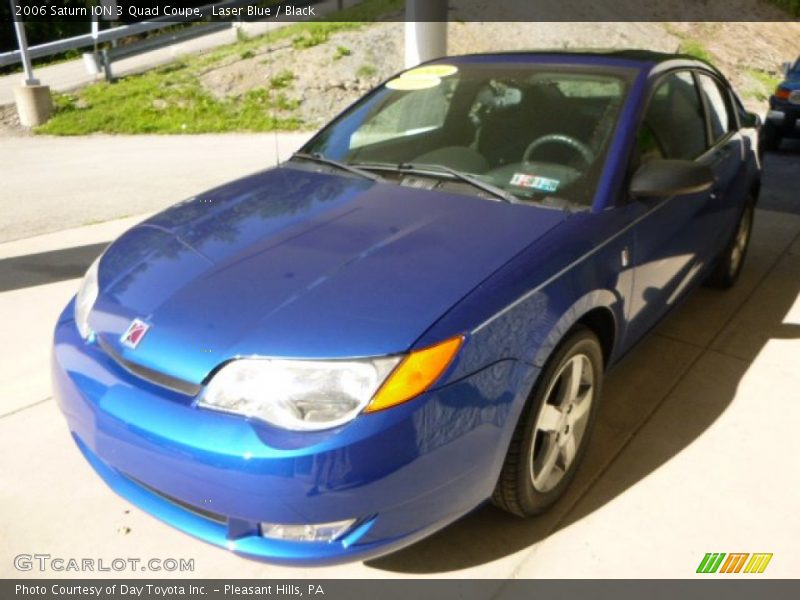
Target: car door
x=726 y=158
x=670 y=235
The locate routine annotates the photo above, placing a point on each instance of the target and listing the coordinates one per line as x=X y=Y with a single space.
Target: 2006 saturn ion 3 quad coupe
x=329 y=360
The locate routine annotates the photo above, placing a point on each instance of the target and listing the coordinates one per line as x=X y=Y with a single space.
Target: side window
x=718 y=107
x=674 y=124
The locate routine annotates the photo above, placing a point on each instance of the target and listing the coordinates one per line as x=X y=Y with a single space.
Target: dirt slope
x=326 y=78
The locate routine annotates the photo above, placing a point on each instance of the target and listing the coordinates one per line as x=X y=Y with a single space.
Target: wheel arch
x=602 y=322
x=599 y=311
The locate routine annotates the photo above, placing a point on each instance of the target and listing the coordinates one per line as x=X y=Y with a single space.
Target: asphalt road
x=694 y=451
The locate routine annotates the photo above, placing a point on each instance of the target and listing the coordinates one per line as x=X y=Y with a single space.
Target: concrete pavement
x=694 y=450
x=54 y=183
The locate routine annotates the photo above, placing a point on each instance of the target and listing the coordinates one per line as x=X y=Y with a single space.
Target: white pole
x=426 y=31
x=22 y=42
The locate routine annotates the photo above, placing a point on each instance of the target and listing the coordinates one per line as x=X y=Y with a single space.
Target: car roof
x=642 y=59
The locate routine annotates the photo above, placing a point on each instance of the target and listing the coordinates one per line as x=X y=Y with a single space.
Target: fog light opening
x=320 y=532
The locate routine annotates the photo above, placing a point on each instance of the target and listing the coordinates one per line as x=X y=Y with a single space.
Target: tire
x=770 y=138
x=730 y=262
x=524 y=487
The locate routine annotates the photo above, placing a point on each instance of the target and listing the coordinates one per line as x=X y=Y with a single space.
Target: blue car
x=783 y=118
x=329 y=360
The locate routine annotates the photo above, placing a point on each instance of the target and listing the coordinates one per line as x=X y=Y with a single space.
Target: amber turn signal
x=782 y=93
x=415 y=373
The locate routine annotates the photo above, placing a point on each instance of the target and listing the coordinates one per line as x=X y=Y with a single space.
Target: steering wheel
x=565 y=140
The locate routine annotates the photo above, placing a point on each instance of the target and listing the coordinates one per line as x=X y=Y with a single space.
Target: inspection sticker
x=535 y=182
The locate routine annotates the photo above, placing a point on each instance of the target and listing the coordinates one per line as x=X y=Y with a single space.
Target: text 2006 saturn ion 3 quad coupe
x=329 y=360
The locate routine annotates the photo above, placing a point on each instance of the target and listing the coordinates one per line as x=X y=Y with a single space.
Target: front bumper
x=784 y=117
x=402 y=473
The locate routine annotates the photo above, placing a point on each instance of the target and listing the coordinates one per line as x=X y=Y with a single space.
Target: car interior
x=544 y=126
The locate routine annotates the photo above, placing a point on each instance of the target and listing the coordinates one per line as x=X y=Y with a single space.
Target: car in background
x=334 y=358
x=783 y=118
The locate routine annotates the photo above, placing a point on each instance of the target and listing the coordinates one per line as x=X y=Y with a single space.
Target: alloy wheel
x=561 y=423
x=740 y=241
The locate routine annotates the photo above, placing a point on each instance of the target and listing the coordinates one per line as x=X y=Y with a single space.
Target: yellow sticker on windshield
x=413 y=82
x=438 y=70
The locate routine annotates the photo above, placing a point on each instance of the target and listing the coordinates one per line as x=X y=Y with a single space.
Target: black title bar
x=388 y=589
x=400 y=10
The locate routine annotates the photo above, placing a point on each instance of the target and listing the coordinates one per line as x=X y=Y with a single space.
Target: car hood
x=292 y=262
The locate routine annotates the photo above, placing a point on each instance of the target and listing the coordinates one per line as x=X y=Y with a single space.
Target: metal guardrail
x=108 y=55
x=116 y=33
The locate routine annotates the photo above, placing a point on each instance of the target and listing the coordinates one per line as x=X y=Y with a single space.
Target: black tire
x=515 y=491
x=730 y=263
x=770 y=138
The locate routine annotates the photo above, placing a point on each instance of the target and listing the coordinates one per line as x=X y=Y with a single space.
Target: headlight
x=297 y=394
x=84 y=301
x=308 y=395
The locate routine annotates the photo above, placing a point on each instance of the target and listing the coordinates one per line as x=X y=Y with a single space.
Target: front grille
x=200 y=512
x=148 y=374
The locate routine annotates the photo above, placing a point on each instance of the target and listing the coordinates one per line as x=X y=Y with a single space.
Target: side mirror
x=751 y=120
x=666 y=178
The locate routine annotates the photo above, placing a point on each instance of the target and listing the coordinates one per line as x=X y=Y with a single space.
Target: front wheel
x=730 y=264
x=553 y=431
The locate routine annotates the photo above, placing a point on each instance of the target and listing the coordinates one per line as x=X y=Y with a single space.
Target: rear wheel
x=730 y=264
x=553 y=431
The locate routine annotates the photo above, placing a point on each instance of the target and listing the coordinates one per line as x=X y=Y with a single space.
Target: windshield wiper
x=318 y=158
x=441 y=169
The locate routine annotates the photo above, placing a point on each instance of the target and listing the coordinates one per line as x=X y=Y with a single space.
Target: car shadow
x=28 y=270
x=781 y=165
x=676 y=355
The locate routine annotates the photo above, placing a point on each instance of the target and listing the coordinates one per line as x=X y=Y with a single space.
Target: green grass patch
x=765 y=83
x=768 y=80
x=171 y=99
x=365 y=71
x=150 y=103
x=282 y=80
x=312 y=33
x=696 y=49
x=341 y=52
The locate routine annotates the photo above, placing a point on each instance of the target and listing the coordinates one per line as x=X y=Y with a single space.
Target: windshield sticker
x=543 y=184
x=437 y=70
x=408 y=82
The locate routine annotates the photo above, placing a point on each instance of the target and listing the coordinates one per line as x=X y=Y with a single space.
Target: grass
x=365 y=71
x=282 y=80
x=341 y=52
x=696 y=49
x=765 y=83
x=152 y=103
x=170 y=99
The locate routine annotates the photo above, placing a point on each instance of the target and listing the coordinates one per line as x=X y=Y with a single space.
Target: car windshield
x=537 y=133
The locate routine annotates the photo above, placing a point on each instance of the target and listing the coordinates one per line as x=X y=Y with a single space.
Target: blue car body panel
x=293 y=262
x=335 y=257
